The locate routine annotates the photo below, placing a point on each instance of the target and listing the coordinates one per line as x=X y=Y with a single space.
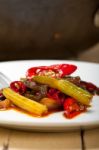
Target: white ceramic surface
x=54 y=122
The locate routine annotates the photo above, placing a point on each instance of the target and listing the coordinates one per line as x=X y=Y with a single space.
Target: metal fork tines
x=4 y=80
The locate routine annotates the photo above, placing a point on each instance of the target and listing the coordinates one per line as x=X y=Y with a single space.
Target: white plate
x=54 y=122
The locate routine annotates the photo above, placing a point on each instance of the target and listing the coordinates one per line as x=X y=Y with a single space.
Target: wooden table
x=72 y=140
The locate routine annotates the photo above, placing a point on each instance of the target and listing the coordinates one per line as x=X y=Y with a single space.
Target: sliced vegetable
x=4 y=104
x=72 y=108
x=56 y=95
x=51 y=104
x=66 y=87
x=24 y=103
x=18 y=87
x=54 y=70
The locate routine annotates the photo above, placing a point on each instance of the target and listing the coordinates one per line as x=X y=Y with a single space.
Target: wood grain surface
x=71 y=140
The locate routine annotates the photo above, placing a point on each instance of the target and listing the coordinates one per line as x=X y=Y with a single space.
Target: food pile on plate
x=48 y=89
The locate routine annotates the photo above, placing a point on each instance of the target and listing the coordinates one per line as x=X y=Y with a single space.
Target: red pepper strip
x=72 y=108
x=18 y=87
x=54 y=70
x=73 y=114
x=56 y=95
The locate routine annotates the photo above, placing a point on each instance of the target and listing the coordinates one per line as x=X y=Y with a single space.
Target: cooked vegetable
x=72 y=108
x=66 y=87
x=56 y=95
x=58 y=70
x=25 y=103
x=51 y=104
x=4 y=104
x=18 y=87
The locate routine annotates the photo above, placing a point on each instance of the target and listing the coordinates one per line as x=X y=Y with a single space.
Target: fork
x=4 y=81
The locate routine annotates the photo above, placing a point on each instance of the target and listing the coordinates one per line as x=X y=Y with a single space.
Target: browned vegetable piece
x=50 y=103
x=5 y=104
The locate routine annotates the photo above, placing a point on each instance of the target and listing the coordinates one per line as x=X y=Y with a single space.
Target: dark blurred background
x=49 y=29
